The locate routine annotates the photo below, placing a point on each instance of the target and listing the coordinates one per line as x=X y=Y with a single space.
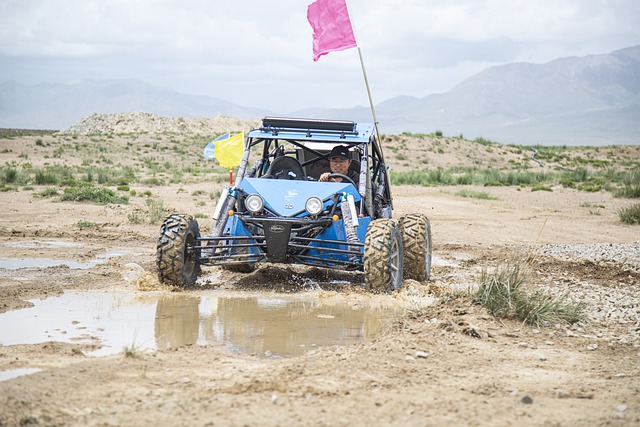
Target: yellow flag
x=229 y=151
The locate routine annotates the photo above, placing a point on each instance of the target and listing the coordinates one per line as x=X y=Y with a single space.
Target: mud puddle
x=20 y=263
x=268 y=325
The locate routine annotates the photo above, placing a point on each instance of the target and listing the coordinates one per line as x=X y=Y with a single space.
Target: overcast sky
x=258 y=52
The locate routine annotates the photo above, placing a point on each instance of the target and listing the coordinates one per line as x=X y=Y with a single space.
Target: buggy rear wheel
x=416 y=240
x=176 y=256
x=383 y=256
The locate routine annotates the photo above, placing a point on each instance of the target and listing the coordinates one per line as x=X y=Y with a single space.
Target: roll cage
x=309 y=142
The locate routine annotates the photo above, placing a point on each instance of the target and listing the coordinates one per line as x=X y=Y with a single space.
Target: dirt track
x=444 y=362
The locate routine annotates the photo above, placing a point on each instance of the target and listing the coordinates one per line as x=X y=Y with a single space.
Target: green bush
x=46 y=178
x=540 y=187
x=476 y=194
x=157 y=182
x=136 y=217
x=502 y=293
x=630 y=214
x=631 y=182
x=84 y=224
x=155 y=208
x=99 y=195
x=48 y=192
x=10 y=175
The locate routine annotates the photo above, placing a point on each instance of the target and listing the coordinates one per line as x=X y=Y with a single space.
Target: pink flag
x=332 y=29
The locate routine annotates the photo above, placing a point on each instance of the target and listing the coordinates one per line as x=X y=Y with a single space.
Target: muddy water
x=20 y=263
x=266 y=325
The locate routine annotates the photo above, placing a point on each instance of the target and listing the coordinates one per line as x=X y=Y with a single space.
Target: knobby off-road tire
x=176 y=258
x=383 y=256
x=416 y=240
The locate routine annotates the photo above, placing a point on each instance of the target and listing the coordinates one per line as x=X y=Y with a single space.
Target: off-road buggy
x=278 y=212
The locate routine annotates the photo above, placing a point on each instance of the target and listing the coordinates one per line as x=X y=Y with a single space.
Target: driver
x=339 y=162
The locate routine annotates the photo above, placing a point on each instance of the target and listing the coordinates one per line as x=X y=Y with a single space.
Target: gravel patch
x=615 y=307
x=626 y=255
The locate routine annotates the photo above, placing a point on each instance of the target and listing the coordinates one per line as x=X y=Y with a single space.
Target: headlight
x=314 y=205
x=254 y=203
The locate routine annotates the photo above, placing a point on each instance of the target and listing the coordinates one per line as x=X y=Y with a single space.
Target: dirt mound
x=140 y=122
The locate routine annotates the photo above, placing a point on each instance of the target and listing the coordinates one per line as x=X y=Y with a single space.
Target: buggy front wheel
x=177 y=258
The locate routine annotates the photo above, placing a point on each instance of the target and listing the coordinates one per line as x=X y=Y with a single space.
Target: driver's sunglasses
x=338 y=160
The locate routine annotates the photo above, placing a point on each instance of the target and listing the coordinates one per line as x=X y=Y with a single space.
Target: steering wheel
x=344 y=178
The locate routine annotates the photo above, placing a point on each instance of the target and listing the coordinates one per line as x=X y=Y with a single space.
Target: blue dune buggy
x=278 y=212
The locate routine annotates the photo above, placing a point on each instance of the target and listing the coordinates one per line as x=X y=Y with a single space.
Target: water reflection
x=177 y=321
x=269 y=324
x=258 y=325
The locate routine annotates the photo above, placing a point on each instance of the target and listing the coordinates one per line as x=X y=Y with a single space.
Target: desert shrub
x=155 y=209
x=54 y=175
x=540 y=187
x=631 y=188
x=136 y=217
x=46 y=178
x=99 y=195
x=465 y=179
x=483 y=141
x=590 y=188
x=110 y=175
x=215 y=194
x=131 y=351
x=83 y=224
x=412 y=177
x=502 y=293
x=630 y=214
x=578 y=175
x=48 y=192
x=10 y=175
x=438 y=176
x=476 y=194
x=157 y=182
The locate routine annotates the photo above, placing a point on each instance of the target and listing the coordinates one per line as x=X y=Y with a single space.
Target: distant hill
x=591 y=100
x=58 y=106
x=588 y=100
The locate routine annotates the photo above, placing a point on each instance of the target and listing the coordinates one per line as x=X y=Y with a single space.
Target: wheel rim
x=428 y=251
x=394 y=264
x=190 y=258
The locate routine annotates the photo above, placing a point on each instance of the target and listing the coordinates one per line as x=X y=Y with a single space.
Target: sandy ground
x=444 y=361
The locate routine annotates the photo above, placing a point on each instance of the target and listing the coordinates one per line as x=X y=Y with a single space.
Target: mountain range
x=590 y=100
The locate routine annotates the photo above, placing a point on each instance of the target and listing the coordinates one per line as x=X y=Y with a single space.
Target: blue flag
x=210 y=150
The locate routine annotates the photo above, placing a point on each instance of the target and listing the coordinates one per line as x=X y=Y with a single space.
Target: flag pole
x=364 y=74
x=366 y=83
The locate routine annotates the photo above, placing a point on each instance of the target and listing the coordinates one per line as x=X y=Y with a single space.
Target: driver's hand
x=324 y=177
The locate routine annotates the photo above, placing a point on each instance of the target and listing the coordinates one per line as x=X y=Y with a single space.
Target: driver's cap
x=339 y=151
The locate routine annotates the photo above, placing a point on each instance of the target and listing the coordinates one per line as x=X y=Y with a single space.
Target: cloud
x=261 y=51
